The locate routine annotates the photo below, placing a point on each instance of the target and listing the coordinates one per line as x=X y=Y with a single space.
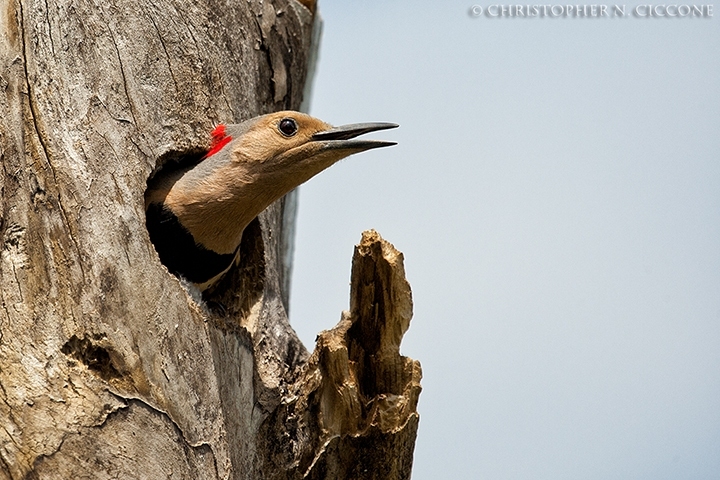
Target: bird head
x=254 y=163
x=285 y=149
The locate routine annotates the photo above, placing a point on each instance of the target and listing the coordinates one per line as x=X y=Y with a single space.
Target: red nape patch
x=220 y=138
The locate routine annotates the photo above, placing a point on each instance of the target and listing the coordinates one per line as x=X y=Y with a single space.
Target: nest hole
x=242 y=285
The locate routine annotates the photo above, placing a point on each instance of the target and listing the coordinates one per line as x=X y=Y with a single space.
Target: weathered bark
x=109 y=368
x=352 y=411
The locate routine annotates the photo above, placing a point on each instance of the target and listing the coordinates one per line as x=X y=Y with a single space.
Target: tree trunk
x=109 y=366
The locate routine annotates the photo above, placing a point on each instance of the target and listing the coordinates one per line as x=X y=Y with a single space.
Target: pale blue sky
x=556 y=193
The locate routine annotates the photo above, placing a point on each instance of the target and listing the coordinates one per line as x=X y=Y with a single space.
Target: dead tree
x=109 y=367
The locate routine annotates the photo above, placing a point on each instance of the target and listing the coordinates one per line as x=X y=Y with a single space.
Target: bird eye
x=288 y=127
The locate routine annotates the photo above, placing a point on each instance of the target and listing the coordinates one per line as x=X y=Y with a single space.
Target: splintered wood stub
x=357 y=396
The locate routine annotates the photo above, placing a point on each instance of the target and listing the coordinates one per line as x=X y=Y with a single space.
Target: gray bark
x=109 y=367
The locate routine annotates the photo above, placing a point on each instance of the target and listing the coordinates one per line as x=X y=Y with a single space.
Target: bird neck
x=216 y=202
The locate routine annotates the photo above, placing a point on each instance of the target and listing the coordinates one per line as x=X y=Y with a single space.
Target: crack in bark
x=5 y=464
x=150 y=155
x=187 y=25
x=67 y=223
x=41 y=140
x=167 y=55
x=17 y=280
x=219 y=84
x=47 y=18
x=264 y=47
x=11 y=439
x=122 y=74
x=7 y=315
x=130 y=400
x=125 y=403
x=45 y=456
x=5 y=397
x=125 y=87
x=109 y=113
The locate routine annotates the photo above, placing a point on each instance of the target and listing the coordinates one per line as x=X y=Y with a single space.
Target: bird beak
x=343 y=137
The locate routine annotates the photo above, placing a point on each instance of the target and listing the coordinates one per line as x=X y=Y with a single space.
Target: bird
x=196 y=214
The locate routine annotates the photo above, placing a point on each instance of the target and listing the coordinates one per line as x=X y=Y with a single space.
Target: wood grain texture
x=109 y=368
x=352 y=412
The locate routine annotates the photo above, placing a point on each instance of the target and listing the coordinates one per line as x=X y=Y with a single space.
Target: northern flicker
x=196 y=215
